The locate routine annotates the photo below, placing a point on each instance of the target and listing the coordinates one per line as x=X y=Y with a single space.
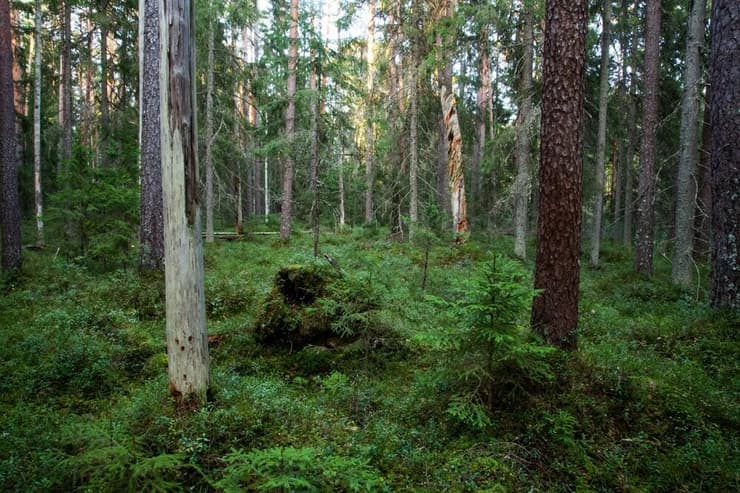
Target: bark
x=314 y=110
x=522 y=183
x=645 y=227
x=151 y=228
x=209 y=136
x=555 y=310
x=628 y=167
x=369 y=131
x=104 y=95
x=187 y=341
x=455 y=175
x=37 y=192
x=686 y=181
x=413 y=151
x=483 y=97
x=703 y=216
x=725 y=120
x=10 y=218
x=286 y=214
x=342 y=220
x=66 y=86
x=601 y=138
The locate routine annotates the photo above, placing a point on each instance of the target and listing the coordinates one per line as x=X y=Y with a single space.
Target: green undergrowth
x=434 y=388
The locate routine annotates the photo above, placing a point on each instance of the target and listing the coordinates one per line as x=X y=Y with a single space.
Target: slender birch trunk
x=37 y=192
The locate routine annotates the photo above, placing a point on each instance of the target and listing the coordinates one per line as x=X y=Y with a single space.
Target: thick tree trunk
x=187 y=340
x=151 y=228
x=10 y=217
x=724 y=76
x=645 y=234
x=369 y=116
x=37 y=192
x=555 y=310
x=522 y=183
x=685 y=183
x=286 y=214
x=455 y=174
x=209 y=136
x=601 y=139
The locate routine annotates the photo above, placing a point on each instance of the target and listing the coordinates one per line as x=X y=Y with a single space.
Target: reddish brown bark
x=555 y=309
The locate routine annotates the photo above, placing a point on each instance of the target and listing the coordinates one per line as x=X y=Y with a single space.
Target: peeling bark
x=455 y=175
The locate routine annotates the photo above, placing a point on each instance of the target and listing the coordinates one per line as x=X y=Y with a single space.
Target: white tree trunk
x=38 y=197
x=187 y=341
x=209 y=137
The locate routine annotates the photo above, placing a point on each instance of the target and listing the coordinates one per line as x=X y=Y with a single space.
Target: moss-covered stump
x=289 y=316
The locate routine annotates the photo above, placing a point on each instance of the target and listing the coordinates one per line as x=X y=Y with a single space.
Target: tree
x=645 y=227
x=209 y=130
x=37 y=192
x=10 y=217
x=555 y=309
x=187 y=341
x=521 y=152
x=65 y=92
x=369 y=131
x=289 y=161
x=724 y=75
x=601 y=139
x=685 y=189
x=151 y=227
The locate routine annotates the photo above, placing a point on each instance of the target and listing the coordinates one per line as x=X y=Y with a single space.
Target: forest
x=370 y=245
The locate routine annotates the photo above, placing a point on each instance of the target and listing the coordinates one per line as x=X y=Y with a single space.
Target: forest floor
x=648 y=401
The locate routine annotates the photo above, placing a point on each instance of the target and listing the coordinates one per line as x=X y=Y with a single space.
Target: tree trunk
x=629 y=165
x=187 y=340
x=455 y=169
x=725 y=119
x=413 y=150
x=555 y=310
x=37 y=192
x=314 y=109
x=703 y=216
x=685 y=183
x=341 y=192
x=480 y=117
x=369 y=131
x=644 y=236
x=286 y=214
x=151 y=228
x=104 y=96
x=66 y=85
x=209 y=136
x=601 y=139
x=10 y=217
x=522 y=183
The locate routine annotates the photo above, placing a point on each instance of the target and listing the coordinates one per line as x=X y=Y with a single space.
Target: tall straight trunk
x=628 y=168
x=314 y=110
x=66 y=86
x=370 y=102
x=151 y=224
x=645 y=233
x=724 y=73
x=481 y=116
x=555 y=309
x=187 y=339
x=703 y=212
x=342 y=217
x=413 y=150
x=104 y=87
x=37 y=192
x=606 y=19
x=10 y=216
x=286 y=214
x=522 y=184
x=208 y=137
x=685 y=183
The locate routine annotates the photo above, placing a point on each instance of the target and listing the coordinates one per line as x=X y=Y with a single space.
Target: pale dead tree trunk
x=454 y=165
x=481 y=115
x=10 y=216
x=606 y=19
x=314 y=110
x=209 y=134
x=522 y=183
x=702 y=219
x=187 y=340
x=289 y=163
x=151 y=227
x=342 y=217
x=685 y=183
x=38 y=197
x=413 y=149
x=369 y=131
x=644 y=237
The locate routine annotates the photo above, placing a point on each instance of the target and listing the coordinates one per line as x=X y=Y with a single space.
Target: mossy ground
x=648 y=402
